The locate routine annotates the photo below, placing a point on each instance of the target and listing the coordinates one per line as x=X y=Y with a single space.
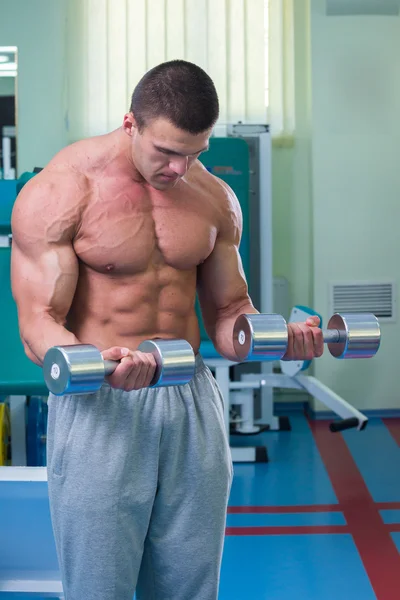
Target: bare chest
x=130 y=230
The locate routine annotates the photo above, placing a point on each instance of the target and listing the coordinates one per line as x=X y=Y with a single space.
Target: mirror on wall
x=8 y=112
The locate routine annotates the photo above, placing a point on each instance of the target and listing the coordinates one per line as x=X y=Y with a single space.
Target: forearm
x=41 y=333
x=222 y=334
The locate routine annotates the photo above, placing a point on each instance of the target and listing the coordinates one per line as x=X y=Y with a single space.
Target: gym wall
x=336 y=190
x=355 y=76
x=38 y=29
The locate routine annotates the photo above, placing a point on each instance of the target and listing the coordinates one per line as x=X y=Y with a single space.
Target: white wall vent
x=377 y=298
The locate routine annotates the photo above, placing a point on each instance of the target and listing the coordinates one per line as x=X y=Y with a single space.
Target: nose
x=179 y=165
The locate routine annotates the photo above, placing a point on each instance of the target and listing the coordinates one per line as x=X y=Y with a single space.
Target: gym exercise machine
x=263 y=338
x=8 y=140
x=243 y=160
x=348 y=336
x=240 y=390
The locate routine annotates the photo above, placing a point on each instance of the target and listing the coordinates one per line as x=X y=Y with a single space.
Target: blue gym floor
x=321 y=520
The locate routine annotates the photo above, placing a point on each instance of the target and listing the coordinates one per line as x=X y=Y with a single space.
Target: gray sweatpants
x=138 y=485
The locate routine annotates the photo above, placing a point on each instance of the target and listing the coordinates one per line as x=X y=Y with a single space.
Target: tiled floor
x=321 y=520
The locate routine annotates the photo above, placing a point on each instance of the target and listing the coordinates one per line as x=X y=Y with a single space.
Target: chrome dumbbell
x=80 y=369
x=264 y=337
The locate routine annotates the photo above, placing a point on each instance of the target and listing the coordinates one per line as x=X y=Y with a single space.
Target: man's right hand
x=135 y=371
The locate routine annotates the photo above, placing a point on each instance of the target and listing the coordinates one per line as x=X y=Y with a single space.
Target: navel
x=109 y=268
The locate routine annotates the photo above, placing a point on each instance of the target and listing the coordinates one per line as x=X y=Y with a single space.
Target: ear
x=129 y=123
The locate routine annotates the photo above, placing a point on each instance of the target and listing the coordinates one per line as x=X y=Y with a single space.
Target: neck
x=121 y=155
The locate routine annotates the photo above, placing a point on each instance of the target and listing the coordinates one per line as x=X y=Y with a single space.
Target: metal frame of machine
x=242 y=392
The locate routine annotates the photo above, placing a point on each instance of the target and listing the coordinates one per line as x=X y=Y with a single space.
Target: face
x=163 y=153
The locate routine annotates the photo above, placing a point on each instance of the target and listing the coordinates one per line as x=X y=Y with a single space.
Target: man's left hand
x=305 y=340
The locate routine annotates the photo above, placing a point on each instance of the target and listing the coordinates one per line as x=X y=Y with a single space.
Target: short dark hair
x=179 y=91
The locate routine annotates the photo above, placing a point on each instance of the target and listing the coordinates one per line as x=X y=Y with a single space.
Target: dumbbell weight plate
x=260 y=337
x=73 y=369
x=175 y=361
x=363 y=335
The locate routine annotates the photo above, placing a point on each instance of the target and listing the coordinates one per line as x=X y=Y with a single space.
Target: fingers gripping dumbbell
x=264 y=337
x=80 y=368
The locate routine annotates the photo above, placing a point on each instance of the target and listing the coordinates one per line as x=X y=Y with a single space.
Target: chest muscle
x=135 y=231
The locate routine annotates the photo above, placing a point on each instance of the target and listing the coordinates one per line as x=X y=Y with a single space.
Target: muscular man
x=111 y=241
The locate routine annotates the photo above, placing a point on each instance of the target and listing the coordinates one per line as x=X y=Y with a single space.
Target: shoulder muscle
x=48 y=208
x=230 y=214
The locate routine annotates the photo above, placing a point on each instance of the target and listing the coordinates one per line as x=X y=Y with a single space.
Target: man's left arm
x=223 y=293
x=222 y=288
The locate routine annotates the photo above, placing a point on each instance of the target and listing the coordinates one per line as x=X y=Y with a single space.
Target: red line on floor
x=387 y=505
x=317 y=508
x=305 y=508
x=304 y=529
x=301 y=529
x=377 y=549
x=394 y=427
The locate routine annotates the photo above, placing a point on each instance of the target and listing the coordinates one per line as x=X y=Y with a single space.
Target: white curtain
x=112 y=43
x=281 y=89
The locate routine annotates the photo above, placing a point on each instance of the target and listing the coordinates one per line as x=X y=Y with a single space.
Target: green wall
x=356 y=181
x=336 y=191
x=38 y=29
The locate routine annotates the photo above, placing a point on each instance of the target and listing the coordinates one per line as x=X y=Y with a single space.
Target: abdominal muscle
x=123 y=310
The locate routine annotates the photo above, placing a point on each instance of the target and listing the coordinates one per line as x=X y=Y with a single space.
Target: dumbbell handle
x=334 y=336
x=110 y=366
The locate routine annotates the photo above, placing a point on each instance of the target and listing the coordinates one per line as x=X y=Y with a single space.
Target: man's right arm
x=44 y=266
